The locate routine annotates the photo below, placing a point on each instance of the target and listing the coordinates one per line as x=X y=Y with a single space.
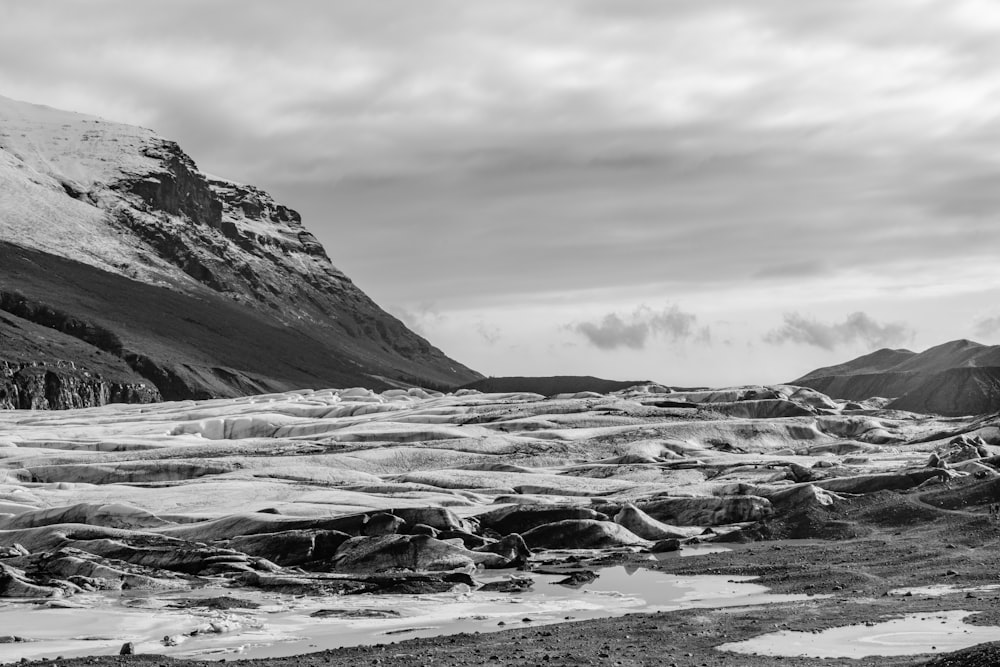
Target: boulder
x=440 y=518
x=520 y=519
x=648 y=528
x=382 y=523
x=582 y=534
x=407 y=552
x=707 y=510
x=291 y=547
x=799 y=497
x=511 y=547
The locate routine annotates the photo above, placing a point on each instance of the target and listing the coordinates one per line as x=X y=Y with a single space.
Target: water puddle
x=915 y=633
x=938 y=590
x=285 y=625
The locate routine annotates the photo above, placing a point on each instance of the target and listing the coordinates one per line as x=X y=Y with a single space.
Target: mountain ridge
x=955 y=378
x=78 y=191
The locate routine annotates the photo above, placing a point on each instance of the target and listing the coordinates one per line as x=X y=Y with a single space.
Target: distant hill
x=549 y=386
x=956 y=378
x=174 y=284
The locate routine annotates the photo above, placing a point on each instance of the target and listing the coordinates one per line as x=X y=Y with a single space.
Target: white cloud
x=633 y=330
x=856 y=328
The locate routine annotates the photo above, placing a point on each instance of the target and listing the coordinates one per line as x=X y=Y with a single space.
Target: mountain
x=153 y=280
x=552 y=385
x=957 y=378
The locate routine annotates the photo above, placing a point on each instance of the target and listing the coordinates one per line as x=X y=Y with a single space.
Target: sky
x=696 y=193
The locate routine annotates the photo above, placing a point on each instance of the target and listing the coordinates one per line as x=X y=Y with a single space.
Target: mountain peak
x=125 y=201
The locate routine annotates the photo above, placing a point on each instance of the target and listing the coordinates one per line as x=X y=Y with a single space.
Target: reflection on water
x=283 y=624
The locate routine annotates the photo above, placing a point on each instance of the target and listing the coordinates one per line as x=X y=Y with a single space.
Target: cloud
x=489 y=333
x=856 y=327
x=987 y=326
x=568 y=132
x=634 y=330
x=421 y=318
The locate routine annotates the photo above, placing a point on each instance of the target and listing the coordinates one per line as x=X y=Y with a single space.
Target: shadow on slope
x=188 y=346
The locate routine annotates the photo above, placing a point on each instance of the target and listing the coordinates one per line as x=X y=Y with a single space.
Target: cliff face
x=82 y=192
x=62 y=386
x=43 y=368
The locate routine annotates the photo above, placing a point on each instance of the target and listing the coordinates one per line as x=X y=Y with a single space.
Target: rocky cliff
x=206 y=280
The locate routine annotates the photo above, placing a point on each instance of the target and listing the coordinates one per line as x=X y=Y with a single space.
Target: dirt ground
x=919 y=538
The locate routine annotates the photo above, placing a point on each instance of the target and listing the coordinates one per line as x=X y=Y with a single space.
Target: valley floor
x=872 y=515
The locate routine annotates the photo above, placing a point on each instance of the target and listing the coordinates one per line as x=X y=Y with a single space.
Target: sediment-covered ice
x=405 y=492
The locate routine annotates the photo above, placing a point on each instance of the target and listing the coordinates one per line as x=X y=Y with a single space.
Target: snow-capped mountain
x=197 y=284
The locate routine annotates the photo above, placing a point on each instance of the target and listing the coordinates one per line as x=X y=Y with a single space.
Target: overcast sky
x=692 y=192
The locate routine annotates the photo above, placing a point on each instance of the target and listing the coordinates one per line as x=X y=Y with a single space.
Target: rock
x=410 y=552
x=647 y=527
x=798 y=497
x=469 y=540
x=292 y=547
x=764 y=409
x=511 y=584
x=439 y=518
x=961 y=448
x=666 y=546
x=14 y=583
x=802 y=474
x=424 y=529
x=707 y=511
x=581 y=534
x=382 y=524
x=577 y=578
x=128 y=648
x=355 y=613
x=520 y=519
x=511 y=547
x=860 y=484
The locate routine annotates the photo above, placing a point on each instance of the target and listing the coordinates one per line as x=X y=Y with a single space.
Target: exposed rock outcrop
x=111 y=235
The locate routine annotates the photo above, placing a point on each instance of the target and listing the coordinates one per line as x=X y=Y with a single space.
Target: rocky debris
x=582 y=534
x=961 y=448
